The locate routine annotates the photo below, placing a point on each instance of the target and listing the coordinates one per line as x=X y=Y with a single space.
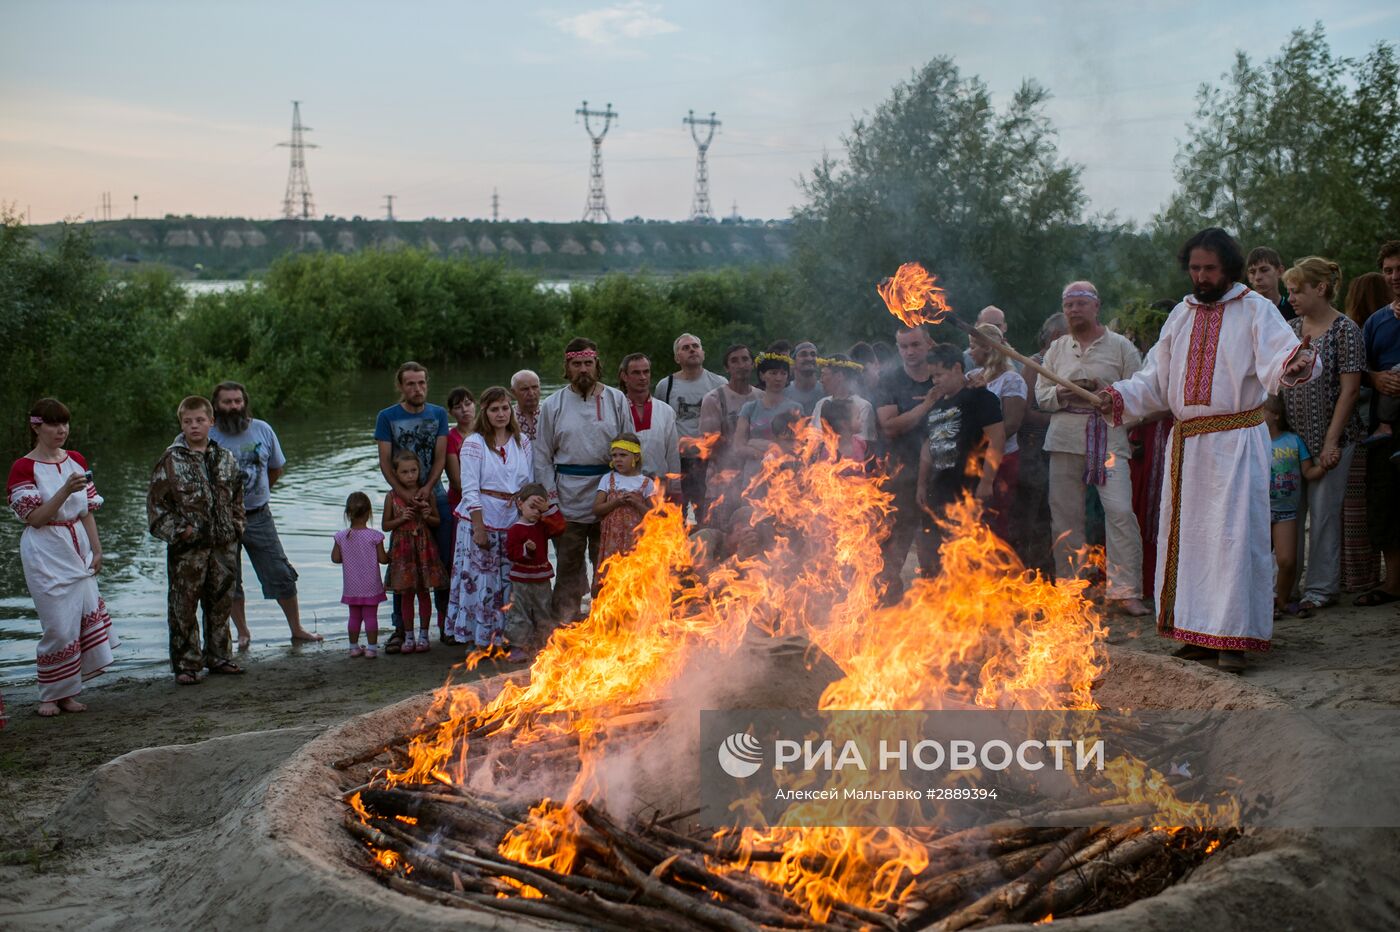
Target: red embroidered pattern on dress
x=25 y=505
x=60 y=664
x=95 y=625
x=1200 y=357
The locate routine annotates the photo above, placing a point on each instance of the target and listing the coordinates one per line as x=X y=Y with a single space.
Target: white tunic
x=77 y=638
x=503 y=469
x=1215 y=579
x=661 y=451
x=572 y=444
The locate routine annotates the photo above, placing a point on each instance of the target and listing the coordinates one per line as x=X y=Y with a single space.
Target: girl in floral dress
x=414 y=567
x=495 y=463
x=624 y=495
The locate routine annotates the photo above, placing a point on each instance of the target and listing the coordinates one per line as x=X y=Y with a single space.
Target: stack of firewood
x=441 y=843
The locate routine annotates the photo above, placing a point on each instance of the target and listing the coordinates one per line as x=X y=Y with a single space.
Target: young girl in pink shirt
x=359 y=549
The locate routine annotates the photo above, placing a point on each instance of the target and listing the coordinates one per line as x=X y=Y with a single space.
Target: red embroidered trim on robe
x=1117 y=416
x=1200 y=356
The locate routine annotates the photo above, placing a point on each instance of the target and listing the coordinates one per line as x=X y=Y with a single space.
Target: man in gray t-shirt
x=684 y=391
x=254 y=444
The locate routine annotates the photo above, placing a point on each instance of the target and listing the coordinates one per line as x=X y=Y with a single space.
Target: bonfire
x=561 y=796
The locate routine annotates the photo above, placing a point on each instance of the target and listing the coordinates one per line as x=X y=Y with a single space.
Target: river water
x=330 y=453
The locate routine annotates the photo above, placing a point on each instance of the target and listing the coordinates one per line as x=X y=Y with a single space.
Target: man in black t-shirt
x=965 y=424
x=902 y=400
x=1264 y=269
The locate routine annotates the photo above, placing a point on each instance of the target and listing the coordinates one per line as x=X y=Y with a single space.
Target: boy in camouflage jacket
x=195 y=505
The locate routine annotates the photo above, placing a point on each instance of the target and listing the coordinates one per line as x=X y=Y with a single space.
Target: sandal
x=1297 y=610
x=227 y=668
x=1376 y=596
x=185 y=678
x=395 y=643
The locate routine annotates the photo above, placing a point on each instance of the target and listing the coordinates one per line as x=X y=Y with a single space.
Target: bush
x=644 y=314
x=75 y=332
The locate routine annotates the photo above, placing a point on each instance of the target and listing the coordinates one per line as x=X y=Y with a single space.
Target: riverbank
x=43 y=760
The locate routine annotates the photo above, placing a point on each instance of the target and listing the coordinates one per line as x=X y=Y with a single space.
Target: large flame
x=912 y=289
x=986 y=632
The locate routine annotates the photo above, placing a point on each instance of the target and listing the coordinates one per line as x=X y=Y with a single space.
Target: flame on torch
x=910 y=290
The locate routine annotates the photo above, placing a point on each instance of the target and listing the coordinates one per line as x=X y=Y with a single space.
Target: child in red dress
x=414 y=567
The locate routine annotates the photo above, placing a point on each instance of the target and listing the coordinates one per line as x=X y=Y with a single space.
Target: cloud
x=631 y=19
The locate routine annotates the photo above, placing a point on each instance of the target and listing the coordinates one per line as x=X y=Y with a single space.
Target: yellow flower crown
x=839 y=364
x=776 y=357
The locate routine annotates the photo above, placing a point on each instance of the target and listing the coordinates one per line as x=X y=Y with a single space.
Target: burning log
x=942 y=892
x=1069 y=888
x=996 y=905
x=685 y=865
x=648 y=875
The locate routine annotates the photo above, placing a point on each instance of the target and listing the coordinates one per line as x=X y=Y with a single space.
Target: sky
x=183 y=104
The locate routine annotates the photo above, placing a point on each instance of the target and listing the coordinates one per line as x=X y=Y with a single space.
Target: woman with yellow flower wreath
x=754 y=434
x=624 y=495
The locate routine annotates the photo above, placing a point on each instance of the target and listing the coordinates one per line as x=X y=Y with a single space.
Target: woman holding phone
x=50 y=489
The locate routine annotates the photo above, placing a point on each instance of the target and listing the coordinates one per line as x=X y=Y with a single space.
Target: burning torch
x=912 y=289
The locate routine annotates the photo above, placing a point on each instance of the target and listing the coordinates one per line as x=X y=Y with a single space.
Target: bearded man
x=254 y=444
x=1222 y=351
x=577 y=425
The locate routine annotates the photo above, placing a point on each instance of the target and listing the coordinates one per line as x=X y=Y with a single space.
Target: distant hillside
x=216 y=247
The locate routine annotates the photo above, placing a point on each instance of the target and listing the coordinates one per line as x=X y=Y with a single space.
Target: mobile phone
x=87 y=476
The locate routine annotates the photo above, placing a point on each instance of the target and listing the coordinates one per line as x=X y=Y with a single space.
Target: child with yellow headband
x=624 y=495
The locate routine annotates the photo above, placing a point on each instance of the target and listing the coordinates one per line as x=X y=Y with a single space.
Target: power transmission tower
x=389 y=206
x=495 y=206
x=734 y=213
x=297 y=202
x=597 y=209
x=106 y=212
x=700 y=201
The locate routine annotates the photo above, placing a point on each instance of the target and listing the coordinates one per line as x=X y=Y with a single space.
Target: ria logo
x=740 y=755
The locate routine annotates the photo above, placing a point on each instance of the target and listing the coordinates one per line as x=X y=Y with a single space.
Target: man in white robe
x=577 y=425
x=1222 y=351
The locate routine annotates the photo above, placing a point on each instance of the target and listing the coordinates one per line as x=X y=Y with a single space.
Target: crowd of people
x=1243 y=459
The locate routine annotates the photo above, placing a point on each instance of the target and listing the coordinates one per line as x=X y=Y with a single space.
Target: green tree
x=76 y=332
x=625 y=313
x=1301 y=152
x=939 y=175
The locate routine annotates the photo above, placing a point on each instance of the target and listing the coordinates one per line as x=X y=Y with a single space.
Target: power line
x=596 y=211
x=700 y=199
x=297 y=202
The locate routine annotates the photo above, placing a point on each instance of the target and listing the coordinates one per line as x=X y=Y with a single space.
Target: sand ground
x=1342 y=658
x=43 y=760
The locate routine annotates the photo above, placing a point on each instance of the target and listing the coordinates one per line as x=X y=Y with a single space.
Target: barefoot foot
x=71 y=705
x=48 y=709
x=301 y=635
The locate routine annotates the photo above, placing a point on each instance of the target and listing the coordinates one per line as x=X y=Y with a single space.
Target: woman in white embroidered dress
x=51 y=491
x=496 y=461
